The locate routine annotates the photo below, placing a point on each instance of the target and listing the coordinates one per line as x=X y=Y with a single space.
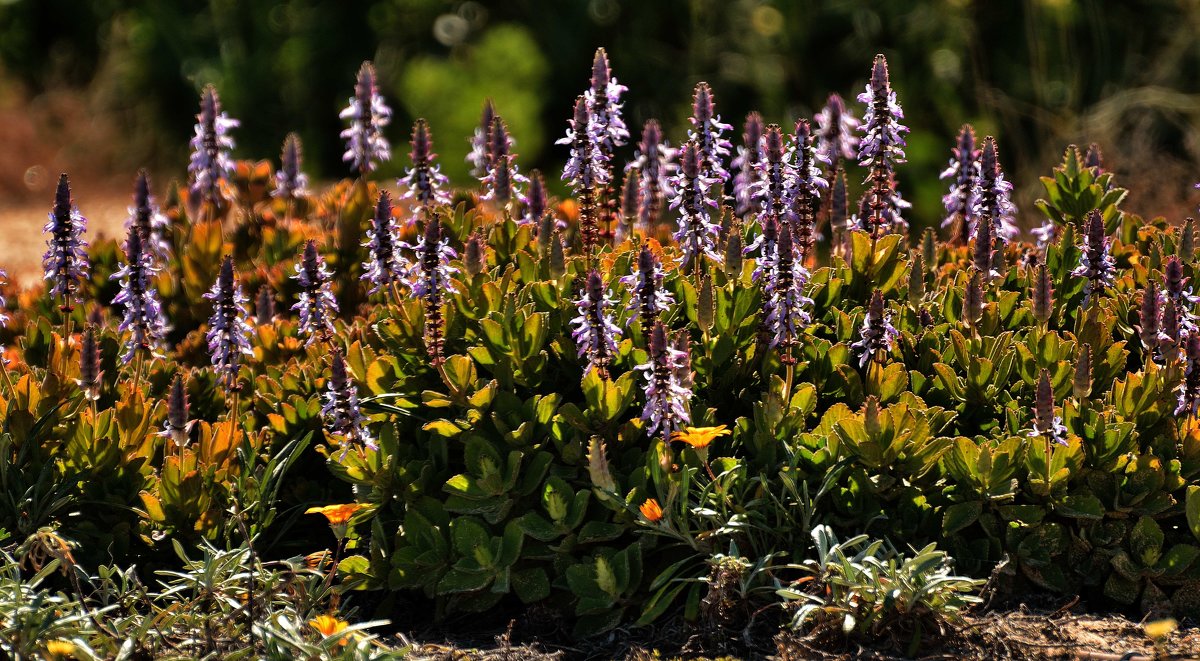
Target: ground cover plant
x=708 y=383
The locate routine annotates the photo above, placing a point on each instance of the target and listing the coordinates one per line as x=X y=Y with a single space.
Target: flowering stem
x=789 y=372
x=137 y=372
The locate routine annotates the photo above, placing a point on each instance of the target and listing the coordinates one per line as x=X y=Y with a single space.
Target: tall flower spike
x=1081 y=386
x=535 y=201
x=1045 y=423
x=594 y=331
x=152 y=225
x=1175 y=287
x=788 y=313
x=343 y=417
x=480 y=156
x=708 y=132
x=963 y=173
x=992 y=195
x=500 y=183
x=1095 y=263
x=66 y=261
x=430 y=281
x=972 y=310
x=143 y=317
x=424 y=184
x=697 y=233
x=881 y=149
x=228 y=328
x=176 y=426
x=631 y=203
x=384 y=266
x=775 y=177
x=264 y=306
x=839 y=211
x=1172 y=337
x=805 y=188
x=747 y=163
x=210 y=163
x=1094 y=158
x=653 y=161
x=316 y=305
x=1043 y=296
x=766 y=246
x=835 y=131
x=1189 y=390
x=366 y=145
x=1149 y=317
x=648 y=299
x=290 y=182
x=89 y=366
x=877 y=335
x=985 y=253
x=587 y=168
x=667 y=398
x=604 y=104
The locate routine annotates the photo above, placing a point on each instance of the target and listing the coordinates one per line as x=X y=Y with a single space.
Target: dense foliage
x=634 y=401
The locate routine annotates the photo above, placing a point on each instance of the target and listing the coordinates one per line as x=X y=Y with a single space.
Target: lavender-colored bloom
x=877 y=335
x=480 y=156
x=430 y=281
x=594 y=331
x=89 y=366
x=143 y=316
x=1043 y=296
x=290 y=182
x=775 y=175
x=1095 y=263
x=667 y=398
x=264 y=306
x=985 y=254
x=424 y=182
x=963 y=173
x=1045 y=423
x=210 y=162
x=708 y=133
x=648 y=299
x=587 y=168
x=343 y=417
x=152 y=225
x=765 y=246
x=787 y=314
x=631 y=205
x=1045 y=234
x=1175 y=287
x=747 y=163
x=1189 y=390
x=500 y=183
x=835 y=131
x=384 y=265
x=804 y=188
x=228 y=328
x=603 y=100
x=653 y=161
x=839 y=203
x=176 y=426
x=65 y=262
x=991 y=197
x=1172 y=337
x=1149 y=317
x=697 y=233
x=366 y=145
x=882 y=148
x=535 y=201
x=316 y=305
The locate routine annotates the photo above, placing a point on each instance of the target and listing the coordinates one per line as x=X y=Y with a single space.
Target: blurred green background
x=104 y=86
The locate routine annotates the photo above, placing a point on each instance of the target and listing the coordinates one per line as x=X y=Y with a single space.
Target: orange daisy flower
x=699 y=437
x=328 y=625
x=651 y=510
x=338 y=515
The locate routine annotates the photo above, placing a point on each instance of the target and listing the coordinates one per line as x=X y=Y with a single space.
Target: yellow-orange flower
x=699 y=437
x=60 y=649
x=338 y=515
x=329 y=625
x=651 y=510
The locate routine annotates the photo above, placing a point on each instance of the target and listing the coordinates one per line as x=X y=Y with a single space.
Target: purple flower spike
x=535 y=202
x=228 y=328
x=343 y=417
x=176 y=426
x=805 y=188
x=587 y=169
x=1095 y=264
x=991 y=197
x=697 y=233
x=709 y=135
x=1172 y=337
x=424 y=182
x=775 y=177
x=366 y=145
x=648 y=298
x=881 y=149
x=480 y=156
x=963 y=172
x=264 y=306
x=748 y=164
x=603 y=99
x=1175 y=288
x=65 y=262
x=653 y=161
x=835 y=131
x=430 y=281
x=1189 y=390
x=877 y=335
x=631 y=204
x=500 y=183
x=594 y=331
x=765 y=246
x=143 y=317
x=384 y=265
x=316 y=305
x=788 y=306
x=985 y=251
x=4 y=303
x=667 y=397
x=1045 y=423
x=151 y=224
x=290 y=182
x=89 y=366
x=210 y=162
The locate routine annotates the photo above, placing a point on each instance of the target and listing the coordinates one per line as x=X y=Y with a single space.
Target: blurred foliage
x=1038 y=74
